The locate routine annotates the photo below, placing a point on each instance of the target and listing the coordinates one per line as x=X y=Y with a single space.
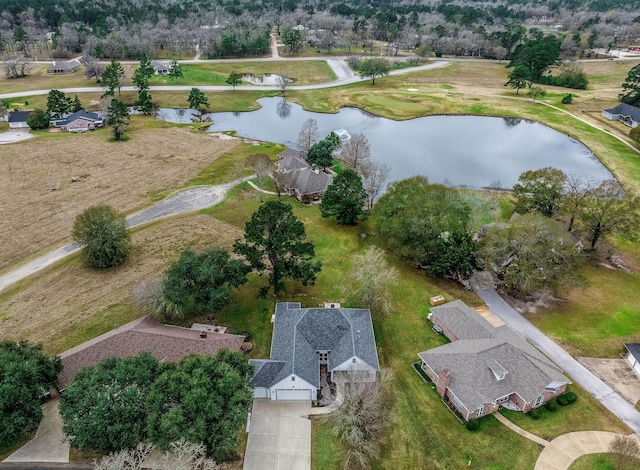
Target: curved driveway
x=580 y=374
x=188 y=200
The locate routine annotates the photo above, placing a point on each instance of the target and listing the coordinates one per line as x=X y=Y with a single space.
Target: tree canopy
x=308 y=135
x=631 y=87
x=104 y=407
x=292 y=40
x=413 y=214
x=103 y=234
x=274 y=243
x=321 y=154
x=519 y=78
x=540 y=190
x=39 y=119
x=345 y=198
x=202 y=282
x=175 y=71
x=112 y=78
x=234 y=79
x=25 y=374
x=203 y=399
x=374 y=68
x=58 y=104
x=537 y=55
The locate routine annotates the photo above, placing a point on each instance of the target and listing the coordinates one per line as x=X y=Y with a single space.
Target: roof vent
x=331 y=305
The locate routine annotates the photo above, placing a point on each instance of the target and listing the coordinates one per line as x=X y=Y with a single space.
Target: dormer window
x=499 y=372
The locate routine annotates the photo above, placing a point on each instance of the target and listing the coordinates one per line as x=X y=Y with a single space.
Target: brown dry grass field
x=59 y=306
x=121 y=174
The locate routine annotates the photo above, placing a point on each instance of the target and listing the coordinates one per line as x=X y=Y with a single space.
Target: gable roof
x=157 y=65
x=19 y=116
x=165 y=342
x=82 y=114
x=488 y=363
x=626 y=110
x=299 y=333
x=308 y=181
x=634 y=349
x=64 y=65
x=290 y=159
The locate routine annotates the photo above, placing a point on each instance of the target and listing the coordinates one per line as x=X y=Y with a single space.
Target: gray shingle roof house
x=166 y=343
x=79 y=121
x=306 y=338
x=64 y=66
x=486 y=367
x=18 y=119
x=627 y=114
x=160 y=68
x=300 y=180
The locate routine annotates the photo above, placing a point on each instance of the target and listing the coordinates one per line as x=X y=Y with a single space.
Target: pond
x=462 y=151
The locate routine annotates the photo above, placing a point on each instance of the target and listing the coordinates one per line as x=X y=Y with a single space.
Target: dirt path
x=189 y=200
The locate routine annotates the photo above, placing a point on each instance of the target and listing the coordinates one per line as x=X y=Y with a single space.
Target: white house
x=306 y=340
x=633 y=356
x=625 y=113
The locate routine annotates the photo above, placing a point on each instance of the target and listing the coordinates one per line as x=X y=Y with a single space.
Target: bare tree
x=626 y=452
x=92 y=68
x=308 y=135
x=188 y=456
x=149 y=298
x=283 y=83
x=261 y=164
x=356 y=152
x=372 y=277
x=374 y=175
x=360 y=418
x=238 y=169
x=279 y=181
x=127 y=459
x=576 y=191
x=16 y=65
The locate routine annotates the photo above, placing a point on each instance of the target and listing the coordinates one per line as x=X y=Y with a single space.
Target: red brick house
x=485 y=368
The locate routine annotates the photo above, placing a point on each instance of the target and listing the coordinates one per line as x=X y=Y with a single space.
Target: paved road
x=343 y=72
x=189 y=200
x=279 y=436
x=580 y=374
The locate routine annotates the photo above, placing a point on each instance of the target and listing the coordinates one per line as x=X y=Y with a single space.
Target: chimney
x=444 y=378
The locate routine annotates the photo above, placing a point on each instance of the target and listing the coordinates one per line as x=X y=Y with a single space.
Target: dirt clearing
x=39 y=201
x=70 y=304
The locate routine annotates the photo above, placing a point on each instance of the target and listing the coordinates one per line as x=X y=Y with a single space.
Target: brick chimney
x=444 y=378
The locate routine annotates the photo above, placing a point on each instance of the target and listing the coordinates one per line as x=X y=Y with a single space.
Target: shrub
x=551 y=406
x=354 y=62
x=562 y=400
x=473 y=425
x=534 y=413
x=39 y=119
x=567 y=99
x=571 y=397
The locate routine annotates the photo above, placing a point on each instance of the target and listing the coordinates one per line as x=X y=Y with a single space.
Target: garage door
x=260 y=392
x=293 y=394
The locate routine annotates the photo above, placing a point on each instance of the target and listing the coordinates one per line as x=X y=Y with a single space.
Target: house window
x=457 y=402
x=502 y=399
x=538 y=401
x=293 y=378
x=479 y=411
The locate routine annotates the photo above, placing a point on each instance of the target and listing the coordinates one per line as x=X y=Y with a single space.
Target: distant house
x=166 y=343
x=485 y=368
x=80 y=121
x=625 y=113
x=305 y=341
x=18 y=119
x=632 y=356
x=64 y=67
x=160 y=68
x=299 y=179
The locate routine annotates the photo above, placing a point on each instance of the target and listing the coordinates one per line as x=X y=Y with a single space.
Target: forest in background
x=130 y=29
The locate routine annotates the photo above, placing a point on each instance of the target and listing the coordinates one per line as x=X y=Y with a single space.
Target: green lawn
x=597 y=462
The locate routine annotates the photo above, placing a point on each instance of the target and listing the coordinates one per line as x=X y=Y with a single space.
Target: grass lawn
x=598 y=462
x=305 y=72
x=422 y=433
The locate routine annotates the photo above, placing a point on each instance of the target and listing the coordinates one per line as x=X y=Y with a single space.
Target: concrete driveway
x=279 y=436
x=617 y=373
x=14 y=135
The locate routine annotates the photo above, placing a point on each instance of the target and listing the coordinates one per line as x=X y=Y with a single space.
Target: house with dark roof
x=18 y=119
x=80 y=121
x=308 y=339
x=625 y=113
x=632 y=355
x=160 y=68
x=165 y=342
x=299 y=179
x=64 y=67
x=485 y=368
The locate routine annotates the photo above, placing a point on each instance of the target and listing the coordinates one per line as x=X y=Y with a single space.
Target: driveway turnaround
x=279 y=436
x=560 y=453
x=579 y=373
x=48 y=445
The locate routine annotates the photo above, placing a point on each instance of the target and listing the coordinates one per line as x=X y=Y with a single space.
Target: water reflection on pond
x=463 y=151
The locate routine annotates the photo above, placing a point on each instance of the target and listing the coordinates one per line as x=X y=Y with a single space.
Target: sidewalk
x=519 y=430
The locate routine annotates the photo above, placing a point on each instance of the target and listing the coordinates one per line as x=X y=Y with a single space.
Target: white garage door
x=260 y=392
x=293 y=394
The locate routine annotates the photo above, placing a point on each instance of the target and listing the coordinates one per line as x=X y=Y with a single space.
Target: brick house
x=79 y=121
x=299 y=179
x=485 y=368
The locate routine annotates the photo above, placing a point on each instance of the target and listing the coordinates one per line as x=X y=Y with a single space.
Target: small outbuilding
x=64 y=67
x=625 y=113
x=632 y=355
x=18 y=119
x=160 y=68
